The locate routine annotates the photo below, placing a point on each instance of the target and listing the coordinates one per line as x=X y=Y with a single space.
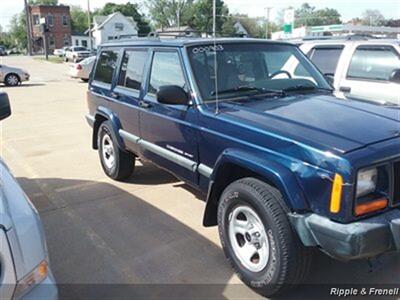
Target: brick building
x=58 y=20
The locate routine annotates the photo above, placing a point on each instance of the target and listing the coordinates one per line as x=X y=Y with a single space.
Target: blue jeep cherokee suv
x=285 y=165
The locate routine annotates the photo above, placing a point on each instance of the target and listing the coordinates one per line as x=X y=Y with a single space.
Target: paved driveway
x=144 y=231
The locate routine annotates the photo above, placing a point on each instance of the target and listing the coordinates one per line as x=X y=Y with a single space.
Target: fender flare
x=105 y=113
x=266 y=169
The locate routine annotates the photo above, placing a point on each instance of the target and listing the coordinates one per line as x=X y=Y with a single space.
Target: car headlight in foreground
x=31 y=280
x=368 y=195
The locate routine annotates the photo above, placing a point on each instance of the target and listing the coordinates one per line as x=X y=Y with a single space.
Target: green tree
x=128 y=10
x=79 y=20
x=203 y=18
x=165 y=13
x=17 y=31
x=43 y=2
x=307 y=15
x=373 y=17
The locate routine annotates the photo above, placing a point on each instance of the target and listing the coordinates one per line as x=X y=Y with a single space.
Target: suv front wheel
x=257 y=237
x=117 y=163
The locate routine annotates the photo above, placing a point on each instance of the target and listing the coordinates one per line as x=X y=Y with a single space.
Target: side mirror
x=395 y=77
x=330 y=78
x=172 y=94
x=5 y=108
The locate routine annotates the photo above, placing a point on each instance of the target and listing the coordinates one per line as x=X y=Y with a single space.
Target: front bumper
x=361 y=239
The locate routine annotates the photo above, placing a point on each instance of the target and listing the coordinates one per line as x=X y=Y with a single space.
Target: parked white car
x=367 y=69
x=82 y=69
x=60 y=52
x=25 y=270
x=76 y=54
x=13 y=76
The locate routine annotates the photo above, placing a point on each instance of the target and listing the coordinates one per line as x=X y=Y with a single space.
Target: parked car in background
x=25 y=271
x=3 y=51
x=284 y=165
x=60 y=52
x=366 y=69
x=82 y=69
x=13 y=76
x=76 y=54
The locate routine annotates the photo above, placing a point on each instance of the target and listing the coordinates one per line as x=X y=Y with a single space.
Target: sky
x=254 y=8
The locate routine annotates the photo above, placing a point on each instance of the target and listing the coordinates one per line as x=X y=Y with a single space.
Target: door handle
x=114 y=95
x=345 y=89
x=144 y=104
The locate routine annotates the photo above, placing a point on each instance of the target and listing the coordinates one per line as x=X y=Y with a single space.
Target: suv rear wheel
x=117 y=163
x=258 y=239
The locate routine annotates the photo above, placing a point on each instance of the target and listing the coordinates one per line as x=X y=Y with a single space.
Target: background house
x=58 y=19
x=113 y=27
x=80 y=39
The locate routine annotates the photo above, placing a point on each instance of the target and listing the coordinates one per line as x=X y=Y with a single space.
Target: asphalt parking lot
x=146 y=230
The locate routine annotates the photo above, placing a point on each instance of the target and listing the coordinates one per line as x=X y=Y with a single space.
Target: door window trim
x=129 y=91
x=153 y=51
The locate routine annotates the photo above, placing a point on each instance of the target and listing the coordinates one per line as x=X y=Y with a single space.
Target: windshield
x=80 y=49
x=248 y=68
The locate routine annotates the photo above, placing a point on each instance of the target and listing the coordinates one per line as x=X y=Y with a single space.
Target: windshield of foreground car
x=244 y=69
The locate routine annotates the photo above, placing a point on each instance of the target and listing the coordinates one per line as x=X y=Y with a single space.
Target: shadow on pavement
x=106 y=243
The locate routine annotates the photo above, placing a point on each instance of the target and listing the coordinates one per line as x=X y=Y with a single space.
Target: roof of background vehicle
x=343 y=41
x=188 y=42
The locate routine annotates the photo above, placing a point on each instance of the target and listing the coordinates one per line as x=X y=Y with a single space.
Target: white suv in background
x=366 y=69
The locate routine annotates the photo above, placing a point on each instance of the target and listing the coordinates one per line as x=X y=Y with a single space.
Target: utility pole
x=89 y=26
x=28 y=27
x=268 y=9
x=179 y=15
x=214 y=18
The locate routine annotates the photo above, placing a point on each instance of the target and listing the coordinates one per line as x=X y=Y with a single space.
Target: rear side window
x=166 y=70
x=373 y=63
x=131 y=74
x=326 y=58
x=105 y=66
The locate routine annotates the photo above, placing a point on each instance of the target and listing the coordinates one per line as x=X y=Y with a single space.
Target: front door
x=369 y=72
x=168 y=131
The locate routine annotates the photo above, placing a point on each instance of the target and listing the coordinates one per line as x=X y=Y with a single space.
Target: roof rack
x=350 y=37
x=175 y=34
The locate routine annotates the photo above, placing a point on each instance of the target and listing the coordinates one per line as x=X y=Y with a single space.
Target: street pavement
x=147 y=230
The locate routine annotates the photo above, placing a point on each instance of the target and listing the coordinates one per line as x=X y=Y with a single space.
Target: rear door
x=368 y=73
x=169 y=130
x=128 y=92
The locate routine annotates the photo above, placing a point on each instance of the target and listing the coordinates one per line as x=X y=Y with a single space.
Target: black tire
x=288 y=260
x=124 y=162
x=85 y=79
x=12 y=79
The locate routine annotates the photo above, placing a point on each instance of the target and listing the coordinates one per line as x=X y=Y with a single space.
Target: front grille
x=396 y=195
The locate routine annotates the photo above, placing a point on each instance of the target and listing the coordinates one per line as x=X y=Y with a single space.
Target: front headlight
x=35 y=277
x=366 y=182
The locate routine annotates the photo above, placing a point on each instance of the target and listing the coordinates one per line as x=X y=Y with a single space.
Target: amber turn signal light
x=365 y=208
x=336 y=195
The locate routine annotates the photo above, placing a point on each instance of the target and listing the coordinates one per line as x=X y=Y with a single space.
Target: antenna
x=215 y=56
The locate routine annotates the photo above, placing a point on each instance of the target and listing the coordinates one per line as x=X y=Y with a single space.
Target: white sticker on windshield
x=210 y=48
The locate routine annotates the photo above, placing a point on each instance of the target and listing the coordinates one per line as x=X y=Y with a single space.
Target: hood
x=13 y=69
x=20 y=220
x=321 y=120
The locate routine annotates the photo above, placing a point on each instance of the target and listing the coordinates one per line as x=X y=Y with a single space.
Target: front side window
x=131 y=74
x=373 y=63
x=166 y=70
x=326 y=58
x=105 y=66
x=230 y=70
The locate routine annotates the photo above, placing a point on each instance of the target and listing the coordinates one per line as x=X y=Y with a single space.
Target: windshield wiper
x=248 y=88
x=305 y=88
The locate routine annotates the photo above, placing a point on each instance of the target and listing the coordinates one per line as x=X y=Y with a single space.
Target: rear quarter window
x=106 y=65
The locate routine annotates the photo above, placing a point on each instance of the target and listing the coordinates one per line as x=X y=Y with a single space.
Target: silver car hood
x=20 y=220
